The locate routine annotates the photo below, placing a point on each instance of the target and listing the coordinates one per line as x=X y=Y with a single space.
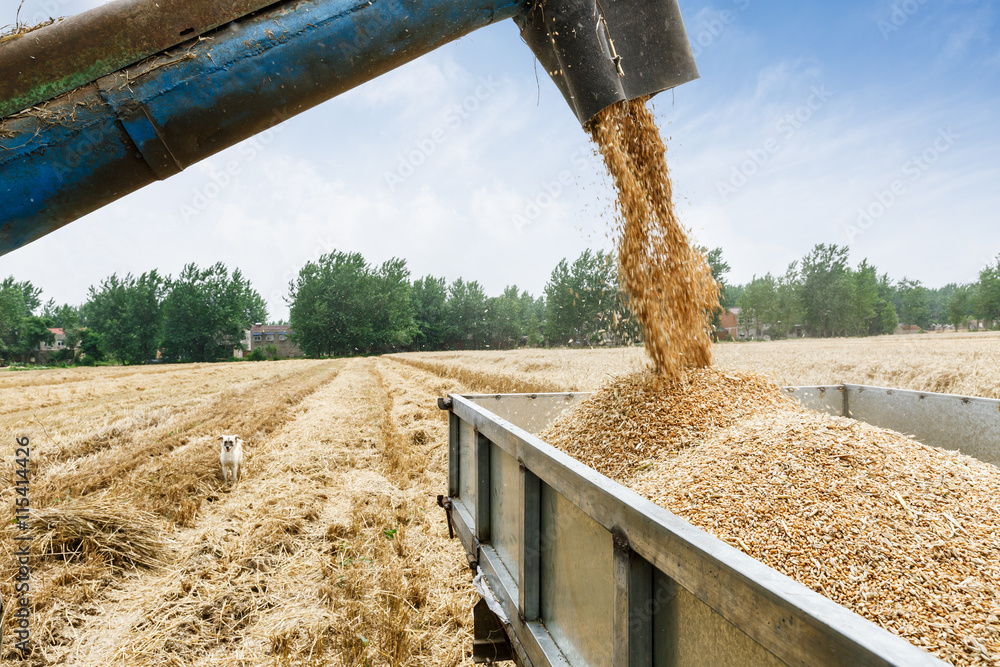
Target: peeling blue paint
x=105 y=140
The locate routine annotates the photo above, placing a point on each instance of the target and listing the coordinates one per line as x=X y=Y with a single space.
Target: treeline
x=198 y=316
x=343 y=305
x=822 y=295
x=340 y=305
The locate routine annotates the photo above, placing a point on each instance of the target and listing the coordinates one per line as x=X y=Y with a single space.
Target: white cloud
x=319 y=181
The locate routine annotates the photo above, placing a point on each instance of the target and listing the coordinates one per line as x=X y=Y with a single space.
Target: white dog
x=231 y=458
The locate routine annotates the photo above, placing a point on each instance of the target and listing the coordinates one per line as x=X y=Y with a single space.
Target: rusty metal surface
x=599 y=52
x=176 y=108
x=44 y=63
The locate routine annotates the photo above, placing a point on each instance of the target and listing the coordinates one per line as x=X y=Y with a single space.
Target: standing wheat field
x=967 y=364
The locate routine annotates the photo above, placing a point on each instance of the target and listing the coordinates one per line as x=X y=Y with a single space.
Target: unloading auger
x=101 y=104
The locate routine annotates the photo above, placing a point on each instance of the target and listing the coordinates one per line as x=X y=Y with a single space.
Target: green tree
x=937 y=301
x=534 y=331
x=18 y=302
x=341 y=305
x=125 y=316
x=583 y=300
x=885 y=319
x=90 y=347
x=959 y=306
x=392 y=311
x=467 y=310
x=790 y=308
x=533 y=316
x=30 y=296
x=987 y=299
x=67 y=318
x=863 y=299
x=759 y=304
x=826 y=290
x=206 y=312
x=504 y=319
x=429 y=296
x=888 y=319
x=34 y=332
x=63 y=317
x=720 y=268
x=914 y=303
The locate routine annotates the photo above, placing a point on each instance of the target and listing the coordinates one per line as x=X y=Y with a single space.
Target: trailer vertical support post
x=621 y=622
x=482 y=488
x=633 y=637
x=642 y=607
x=454 y=454
x=531 y=545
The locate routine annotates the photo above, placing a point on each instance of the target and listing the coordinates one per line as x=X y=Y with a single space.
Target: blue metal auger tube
x=71 y=155
x=102 y=117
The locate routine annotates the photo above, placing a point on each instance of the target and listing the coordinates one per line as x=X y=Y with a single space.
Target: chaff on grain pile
x=669 y=283
x=638 y=418
x=904 y=534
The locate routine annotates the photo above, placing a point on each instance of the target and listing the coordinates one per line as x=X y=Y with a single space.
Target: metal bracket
x=445 y=503
x=445 y=403
x=620 y=542
x=473 y=558
x=490 y=642
x=140 y=126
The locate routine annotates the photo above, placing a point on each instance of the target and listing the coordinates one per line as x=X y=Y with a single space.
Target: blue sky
x=868 y=123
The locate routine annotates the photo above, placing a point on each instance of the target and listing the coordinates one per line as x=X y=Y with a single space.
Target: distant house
x=259 y=336
x=41 y=355
x=729 y=324
x=58 y=344
x=905 y=329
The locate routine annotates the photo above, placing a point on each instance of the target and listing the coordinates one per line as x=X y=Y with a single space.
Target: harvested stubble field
x=330 y=551
x=967 y=364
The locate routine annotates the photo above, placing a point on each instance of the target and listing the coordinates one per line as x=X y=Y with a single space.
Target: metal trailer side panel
x=970 y=425
x=466 y=464
x=825 y=398
x=531 y=412
x=577 y=588
x=688 y=633
x=776 y=614
x=505 y=517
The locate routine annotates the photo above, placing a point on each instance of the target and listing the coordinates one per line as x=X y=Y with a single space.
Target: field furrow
x=331 y=550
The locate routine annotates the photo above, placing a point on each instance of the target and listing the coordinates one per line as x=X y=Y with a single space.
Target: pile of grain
x=669 y=284
x=906 y=535
x=638 y=418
